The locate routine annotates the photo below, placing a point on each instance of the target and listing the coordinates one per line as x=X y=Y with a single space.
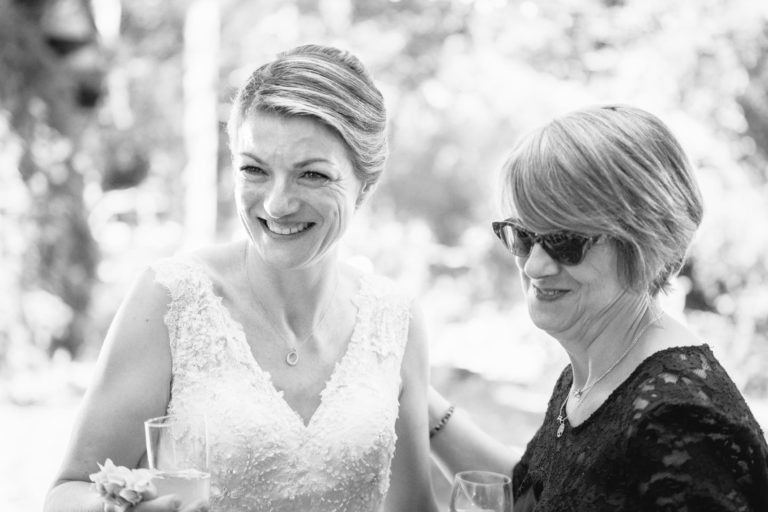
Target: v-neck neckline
x=245 y=348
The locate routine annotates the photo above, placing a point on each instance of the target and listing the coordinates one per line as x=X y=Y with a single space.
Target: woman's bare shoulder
x=222 y=263
x=220 y=257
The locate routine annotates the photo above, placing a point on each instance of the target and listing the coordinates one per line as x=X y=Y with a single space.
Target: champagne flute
x=481 y=491
x=177 y=451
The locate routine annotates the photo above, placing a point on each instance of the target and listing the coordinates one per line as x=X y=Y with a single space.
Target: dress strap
x=385 y=314
x=179 y=273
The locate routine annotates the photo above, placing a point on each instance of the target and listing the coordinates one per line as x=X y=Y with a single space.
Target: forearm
x=461 y=445
x=73 y=496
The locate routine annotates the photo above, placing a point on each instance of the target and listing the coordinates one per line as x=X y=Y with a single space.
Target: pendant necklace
x=582 y=393
x=292 y=357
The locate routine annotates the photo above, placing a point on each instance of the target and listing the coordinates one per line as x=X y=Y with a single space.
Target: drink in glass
x=481 y=491
x=177 y=451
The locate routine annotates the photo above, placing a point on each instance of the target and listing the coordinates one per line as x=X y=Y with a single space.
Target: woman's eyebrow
x=251 y=156
x=302 y=163
x=310 y=161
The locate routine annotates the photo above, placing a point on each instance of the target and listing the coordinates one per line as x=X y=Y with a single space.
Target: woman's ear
x=365 y=191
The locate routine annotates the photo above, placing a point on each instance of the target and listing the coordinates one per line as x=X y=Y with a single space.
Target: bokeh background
x=112 y=154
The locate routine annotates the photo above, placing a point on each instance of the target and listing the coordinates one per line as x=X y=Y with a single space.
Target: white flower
x=121 y=486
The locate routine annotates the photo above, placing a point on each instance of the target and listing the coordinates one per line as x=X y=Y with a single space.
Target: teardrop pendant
x=561 y=429
x=292 y=358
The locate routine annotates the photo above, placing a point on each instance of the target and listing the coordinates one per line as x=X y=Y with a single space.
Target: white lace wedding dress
x=262 y=455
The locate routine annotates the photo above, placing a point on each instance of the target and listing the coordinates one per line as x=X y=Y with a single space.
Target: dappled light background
x=113 y=154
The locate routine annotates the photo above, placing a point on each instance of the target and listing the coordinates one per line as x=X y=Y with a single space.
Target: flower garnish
x=123 y=487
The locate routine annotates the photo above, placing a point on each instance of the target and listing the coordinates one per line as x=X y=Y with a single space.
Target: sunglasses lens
x=523 y=242
x=564 y=248
x=517 y=241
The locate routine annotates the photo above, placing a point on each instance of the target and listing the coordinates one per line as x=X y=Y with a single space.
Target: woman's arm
x=131 y=384
x=461 y=445
x=411 y=486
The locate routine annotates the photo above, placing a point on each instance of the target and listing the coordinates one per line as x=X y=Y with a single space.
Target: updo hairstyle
x=327 y=84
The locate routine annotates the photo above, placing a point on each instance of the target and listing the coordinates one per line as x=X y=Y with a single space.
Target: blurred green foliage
x=463 y=79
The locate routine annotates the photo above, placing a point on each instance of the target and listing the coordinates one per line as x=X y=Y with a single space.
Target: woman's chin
x=548 y=321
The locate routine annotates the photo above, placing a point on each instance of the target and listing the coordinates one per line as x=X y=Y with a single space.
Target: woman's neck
x=293 y=298
x=610 y=340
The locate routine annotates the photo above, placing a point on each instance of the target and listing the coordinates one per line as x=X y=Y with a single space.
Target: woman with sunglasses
x=602 y=205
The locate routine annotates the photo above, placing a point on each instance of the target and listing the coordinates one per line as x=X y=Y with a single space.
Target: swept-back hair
x=329 y=85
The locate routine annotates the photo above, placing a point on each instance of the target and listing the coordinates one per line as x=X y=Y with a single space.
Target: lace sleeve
x=691 y=457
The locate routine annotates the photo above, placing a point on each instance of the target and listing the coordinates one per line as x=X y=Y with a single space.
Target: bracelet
x=440 y=424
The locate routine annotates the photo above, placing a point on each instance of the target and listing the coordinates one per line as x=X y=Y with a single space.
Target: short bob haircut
x=609 y=170
x=329 y=85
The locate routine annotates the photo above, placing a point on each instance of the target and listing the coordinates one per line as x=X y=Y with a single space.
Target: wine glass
x=481 y=491
x=177 y=451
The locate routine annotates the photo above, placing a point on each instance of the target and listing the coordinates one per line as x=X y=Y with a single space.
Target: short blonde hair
x=330 y=85
x=610 y=170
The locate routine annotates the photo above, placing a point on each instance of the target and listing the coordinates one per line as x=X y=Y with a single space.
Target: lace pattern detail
x=675 y=436
x=263 y=456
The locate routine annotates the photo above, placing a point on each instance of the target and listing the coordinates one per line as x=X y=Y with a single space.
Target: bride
x=312 y=374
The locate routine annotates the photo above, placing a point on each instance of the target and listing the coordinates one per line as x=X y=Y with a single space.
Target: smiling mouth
x=548 y=293
x=285 y=229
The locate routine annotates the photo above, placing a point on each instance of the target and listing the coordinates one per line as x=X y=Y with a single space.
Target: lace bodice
x=675 y=436
x=263 y=456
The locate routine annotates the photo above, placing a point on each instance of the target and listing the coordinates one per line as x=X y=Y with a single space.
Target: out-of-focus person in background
x=312 y=374
x=602 y=205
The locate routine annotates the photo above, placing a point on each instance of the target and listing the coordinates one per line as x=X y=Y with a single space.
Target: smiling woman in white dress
x=313 y=375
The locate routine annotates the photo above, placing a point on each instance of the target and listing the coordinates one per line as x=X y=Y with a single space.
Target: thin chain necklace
x=292 y=357
x=582 y=393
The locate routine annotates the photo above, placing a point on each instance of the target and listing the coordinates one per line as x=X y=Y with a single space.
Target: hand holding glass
x=481 y=491
x=177 y=451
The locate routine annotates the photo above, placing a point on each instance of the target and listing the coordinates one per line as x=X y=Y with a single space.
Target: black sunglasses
x=565 y=247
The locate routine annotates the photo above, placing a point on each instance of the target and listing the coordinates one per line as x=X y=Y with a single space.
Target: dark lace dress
x=675 y=436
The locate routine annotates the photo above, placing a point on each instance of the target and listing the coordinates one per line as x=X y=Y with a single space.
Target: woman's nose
x=539 y=264
x=280 y=200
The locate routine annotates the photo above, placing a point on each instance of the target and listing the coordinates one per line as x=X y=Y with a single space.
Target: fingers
x=171 y=503
x=197 y=506
x=167 y=503
x=149 y=494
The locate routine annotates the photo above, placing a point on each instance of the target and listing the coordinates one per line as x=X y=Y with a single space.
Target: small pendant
x=561 y=426
x=292 y=358
x=577 y=394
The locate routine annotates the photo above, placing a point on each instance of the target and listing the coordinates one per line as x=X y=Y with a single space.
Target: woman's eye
x=315 y=176
x=558 y=238
x=523 y=234
x=252 y=170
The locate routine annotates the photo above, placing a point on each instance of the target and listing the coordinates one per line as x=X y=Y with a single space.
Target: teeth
x=281 y=229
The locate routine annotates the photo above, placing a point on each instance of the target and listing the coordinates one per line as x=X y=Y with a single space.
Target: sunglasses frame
x=583 y=242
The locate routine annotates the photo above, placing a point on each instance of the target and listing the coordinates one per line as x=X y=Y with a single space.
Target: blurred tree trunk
x=50 y=84
x=754 y=102
x=201 y=45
